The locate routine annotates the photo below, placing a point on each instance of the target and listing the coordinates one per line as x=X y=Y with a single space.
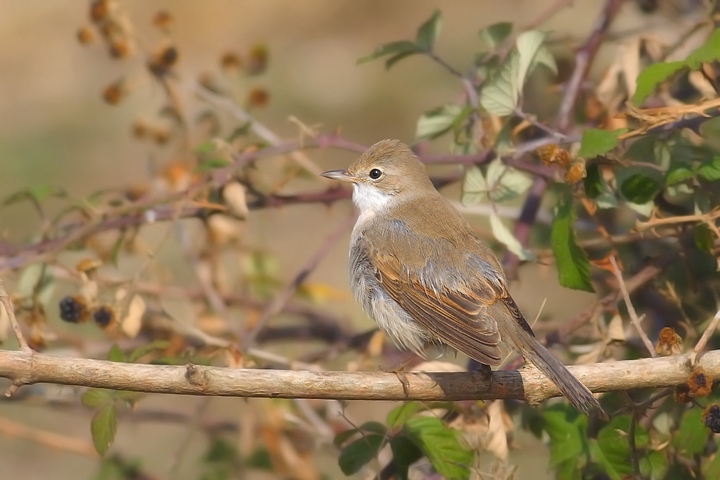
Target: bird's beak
x=342 y=175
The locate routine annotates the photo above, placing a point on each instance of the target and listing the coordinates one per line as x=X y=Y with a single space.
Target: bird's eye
x=375 y=173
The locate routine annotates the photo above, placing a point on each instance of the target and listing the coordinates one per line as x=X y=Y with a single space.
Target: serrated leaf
x=103 y=427
x=505 y=183
x=441 y=444
x=528 y=44
x=495 y=34
x=572 y=262
x=428 y=32
x=115 y=354
x=678 y=174
x=392 y=48
x=474 y=187
x=708 y=52
x=400 y=414
x=358 y=453
x=639 y=189
x=434 y=123
x=500 y=94
x=704 y=238
x=690 y=438
x=503 y=234
x=710 y=171
x=596 y=142
x=651 y=76
x=96 y=397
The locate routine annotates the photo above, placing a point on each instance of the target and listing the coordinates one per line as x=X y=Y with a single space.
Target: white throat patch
x=369 y=199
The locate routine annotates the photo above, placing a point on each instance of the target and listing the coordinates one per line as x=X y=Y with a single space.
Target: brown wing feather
x=456 y=318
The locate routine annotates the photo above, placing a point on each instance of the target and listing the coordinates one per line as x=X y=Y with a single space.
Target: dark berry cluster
x=72 y=309
x=711 y=418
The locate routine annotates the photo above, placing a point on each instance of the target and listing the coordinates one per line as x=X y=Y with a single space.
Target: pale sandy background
x=55 y=129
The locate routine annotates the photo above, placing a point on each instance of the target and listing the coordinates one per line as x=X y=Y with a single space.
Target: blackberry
x=72 y=309
x=104 y=316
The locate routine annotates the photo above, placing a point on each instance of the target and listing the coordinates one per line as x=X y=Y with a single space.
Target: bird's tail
x=535 y=352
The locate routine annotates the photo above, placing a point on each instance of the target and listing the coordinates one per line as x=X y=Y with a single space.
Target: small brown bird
x=418 y=269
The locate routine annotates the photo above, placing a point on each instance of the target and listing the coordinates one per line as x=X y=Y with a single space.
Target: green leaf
x=441 y=444
x=436 y=122
x=612 y=448
x=210 y=164
x=678 y=174
x=96 y=397
x=405 y=453
x=651 y=76
x=704 y=238
x=706 y=53
x=474 y=187
x=500 y=94
x=710 y=467
x=566 y=430
x=572 y=262
x=495 y=34
x=360 y=452
x=642 y=149
x=593 y=181
x=428 y=32
x=528 y=44
x=392 y=48
x=690 y=438
x=374 y=427
x=344 y=436
x=596 y=142
x=710 y=171
x=608 y=467
x=115 y=354
x=399 y=415
x=143 y=350
x=544 y=57
x=639 y=188
x=503 y=234
x=36 y=194
x=654 y=465
x=103 y=428
x=505 y=183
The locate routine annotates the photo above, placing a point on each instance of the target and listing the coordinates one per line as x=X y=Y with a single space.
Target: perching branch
x=529 y=384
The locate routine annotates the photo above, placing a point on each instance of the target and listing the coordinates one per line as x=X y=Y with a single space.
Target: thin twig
x=194 y=424
x=10 y=312
x=707 y=334
x=547 y=14
x=51 y=440
x=282 y=297
x=631 y=309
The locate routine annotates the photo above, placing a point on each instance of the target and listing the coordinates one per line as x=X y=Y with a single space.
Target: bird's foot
x=399 y=371
x=485 y=371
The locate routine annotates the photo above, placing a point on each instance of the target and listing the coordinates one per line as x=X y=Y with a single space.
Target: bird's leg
x=399 y=371
x=485 y=371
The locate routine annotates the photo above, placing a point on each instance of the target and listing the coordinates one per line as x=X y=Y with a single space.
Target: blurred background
x=56 y=129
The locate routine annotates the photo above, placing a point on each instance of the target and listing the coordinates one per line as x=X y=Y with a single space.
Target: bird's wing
x=457 y=318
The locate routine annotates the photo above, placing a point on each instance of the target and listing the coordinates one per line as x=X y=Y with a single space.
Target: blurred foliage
x=634 y=179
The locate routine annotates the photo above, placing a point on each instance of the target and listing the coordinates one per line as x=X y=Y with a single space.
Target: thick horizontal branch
x=23 y=367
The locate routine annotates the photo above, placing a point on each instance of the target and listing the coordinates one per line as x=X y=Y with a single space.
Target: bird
x=420 y=271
